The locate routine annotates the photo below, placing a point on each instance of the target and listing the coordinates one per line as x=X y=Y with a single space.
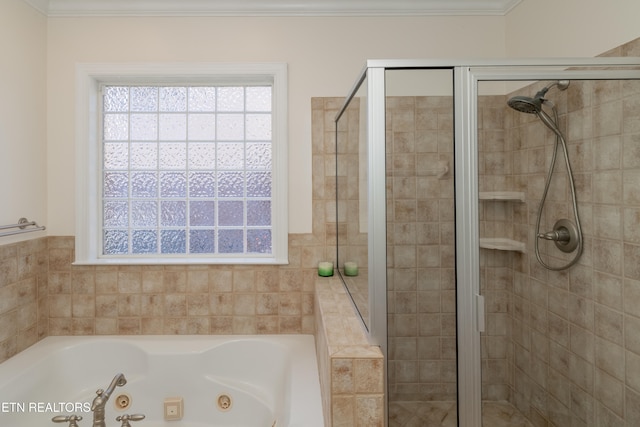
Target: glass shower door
x=555 y=349
x=420 y=242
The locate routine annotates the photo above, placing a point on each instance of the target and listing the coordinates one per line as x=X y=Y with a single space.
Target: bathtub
x=233 y=381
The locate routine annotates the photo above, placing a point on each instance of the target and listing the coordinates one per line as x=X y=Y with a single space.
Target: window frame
x=90 y=78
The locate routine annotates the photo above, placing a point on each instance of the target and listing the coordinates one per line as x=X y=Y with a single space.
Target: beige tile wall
x=352 y=371
x=42 y=293
x=497 y=219
x=105 y=300
x=23 y=295
x=420 y=247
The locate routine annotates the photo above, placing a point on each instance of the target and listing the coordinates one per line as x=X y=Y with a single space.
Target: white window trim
x=88 y=79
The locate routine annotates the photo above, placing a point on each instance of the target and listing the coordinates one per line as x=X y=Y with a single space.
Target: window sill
x=184 y=261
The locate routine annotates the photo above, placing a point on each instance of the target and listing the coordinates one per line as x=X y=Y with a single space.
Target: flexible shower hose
x=559 y=141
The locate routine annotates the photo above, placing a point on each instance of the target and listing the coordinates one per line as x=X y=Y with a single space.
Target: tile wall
x=23 y=295
x=42 y=293
x=105 y=300
x=420 y=245
x=497 y=220
x=352 y=371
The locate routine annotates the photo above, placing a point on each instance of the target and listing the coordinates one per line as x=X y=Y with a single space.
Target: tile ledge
x=338 y=319
x=356 y=352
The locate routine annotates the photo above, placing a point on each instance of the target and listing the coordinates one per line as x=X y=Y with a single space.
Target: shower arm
x=562 y=85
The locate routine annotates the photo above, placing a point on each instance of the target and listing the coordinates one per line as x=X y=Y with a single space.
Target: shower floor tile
x=443 y=414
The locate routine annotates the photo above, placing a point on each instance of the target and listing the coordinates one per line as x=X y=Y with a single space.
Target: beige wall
x=311 y=46
x=324 y=56
x=22 y=114
x=570 y=28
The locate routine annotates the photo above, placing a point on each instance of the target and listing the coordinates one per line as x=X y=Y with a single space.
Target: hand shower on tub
x=567 y=235
x=100 y=401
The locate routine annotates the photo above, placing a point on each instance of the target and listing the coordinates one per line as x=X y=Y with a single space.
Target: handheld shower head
x=528 y=105
x=524 y=104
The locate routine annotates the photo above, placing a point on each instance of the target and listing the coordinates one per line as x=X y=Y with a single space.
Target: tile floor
x=443 y=414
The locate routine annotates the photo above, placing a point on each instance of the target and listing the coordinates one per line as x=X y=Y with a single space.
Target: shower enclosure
x=460 y=193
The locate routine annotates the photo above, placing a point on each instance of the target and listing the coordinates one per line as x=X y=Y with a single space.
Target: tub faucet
x=100 y=401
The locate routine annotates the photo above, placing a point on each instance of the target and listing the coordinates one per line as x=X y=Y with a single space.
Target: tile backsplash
x=23 y=295
x=87 y=300
x=42 y=293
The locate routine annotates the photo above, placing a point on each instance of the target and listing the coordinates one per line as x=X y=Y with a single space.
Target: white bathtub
x=271 y=380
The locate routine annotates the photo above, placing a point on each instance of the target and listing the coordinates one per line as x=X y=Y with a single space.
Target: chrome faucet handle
x=71 y=419
x=126 y=418
x=555 y=235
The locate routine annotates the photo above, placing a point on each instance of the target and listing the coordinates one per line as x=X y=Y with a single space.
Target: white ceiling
x=272 y=7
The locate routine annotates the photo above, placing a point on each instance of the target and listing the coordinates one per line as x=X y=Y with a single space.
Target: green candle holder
x=350 y=268
x=325 y=269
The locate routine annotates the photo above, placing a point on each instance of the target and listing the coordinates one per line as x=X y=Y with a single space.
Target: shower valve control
x=173 y=408
x=564 y=234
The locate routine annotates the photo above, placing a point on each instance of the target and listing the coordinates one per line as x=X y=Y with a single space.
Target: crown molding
x=55 y=8
x=40 y=5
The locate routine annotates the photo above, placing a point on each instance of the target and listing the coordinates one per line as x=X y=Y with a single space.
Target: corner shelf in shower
x=501 y=244
x=513 y=196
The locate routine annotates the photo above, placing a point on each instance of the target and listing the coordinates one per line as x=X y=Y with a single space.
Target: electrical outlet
x=173 y=408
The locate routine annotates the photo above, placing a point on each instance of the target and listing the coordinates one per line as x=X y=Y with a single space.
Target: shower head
x=524 y=104
x=528 y=105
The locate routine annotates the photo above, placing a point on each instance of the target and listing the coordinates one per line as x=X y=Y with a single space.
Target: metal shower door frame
x=466 y=75
x=470 y=304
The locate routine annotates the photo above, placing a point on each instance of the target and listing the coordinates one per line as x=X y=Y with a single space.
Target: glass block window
x=186 y=170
